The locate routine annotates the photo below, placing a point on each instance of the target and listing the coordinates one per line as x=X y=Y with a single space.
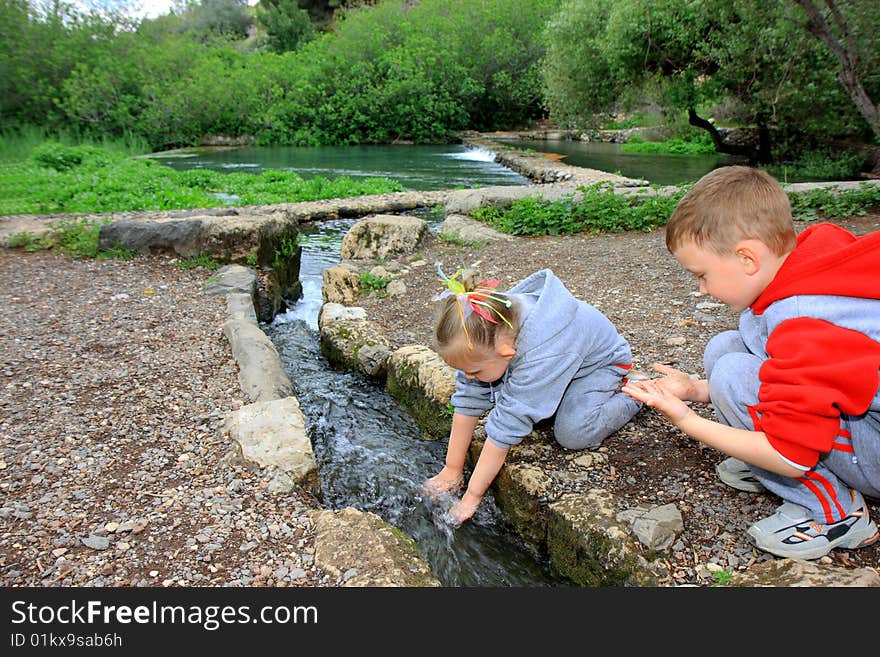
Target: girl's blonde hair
x=731 y=204
x=448 y=321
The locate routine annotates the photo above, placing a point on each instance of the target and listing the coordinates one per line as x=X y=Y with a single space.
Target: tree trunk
x=720 y=145
x=846 y=56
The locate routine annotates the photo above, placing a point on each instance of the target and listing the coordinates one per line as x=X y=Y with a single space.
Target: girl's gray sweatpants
x=732 y=371
x=593 y=408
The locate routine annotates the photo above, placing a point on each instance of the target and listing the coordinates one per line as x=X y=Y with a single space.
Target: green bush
x=697 y=145
x=599 y=209
x=53 y=155
x=819 y=165
x=842 y=203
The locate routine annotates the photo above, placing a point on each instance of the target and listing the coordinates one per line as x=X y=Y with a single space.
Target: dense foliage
x=396 y=71
x=596 y=208
x=308 y=72
x=752 y=62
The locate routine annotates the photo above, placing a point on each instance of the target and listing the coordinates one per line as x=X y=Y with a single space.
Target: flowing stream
x=371 y=454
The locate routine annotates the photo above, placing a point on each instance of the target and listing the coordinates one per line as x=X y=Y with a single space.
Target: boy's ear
x=505 y=350
x=749 y=255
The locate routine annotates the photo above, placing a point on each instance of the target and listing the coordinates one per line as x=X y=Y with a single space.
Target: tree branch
x=846 y=57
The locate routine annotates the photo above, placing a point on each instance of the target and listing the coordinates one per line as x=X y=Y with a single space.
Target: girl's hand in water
x=464 y=508
x=446 y=481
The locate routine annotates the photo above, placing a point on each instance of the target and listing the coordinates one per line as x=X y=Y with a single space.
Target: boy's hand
x=656 y=395
x=677 y=383
x=464 y=508
x=445 y=481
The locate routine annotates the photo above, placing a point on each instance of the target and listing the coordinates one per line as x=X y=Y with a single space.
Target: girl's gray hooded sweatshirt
x=560 y=338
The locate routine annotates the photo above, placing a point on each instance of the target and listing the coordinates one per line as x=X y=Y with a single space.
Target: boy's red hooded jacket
x=821 y=316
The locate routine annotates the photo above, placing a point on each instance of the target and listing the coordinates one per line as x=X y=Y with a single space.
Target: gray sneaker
x=792 y=532
x=738 y=474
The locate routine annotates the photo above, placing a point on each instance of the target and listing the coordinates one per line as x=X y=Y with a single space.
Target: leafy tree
x=855 y=53
x=322 y=12
x=287 y=26
x=211 y=18
x=39 y=46
x=691 y=55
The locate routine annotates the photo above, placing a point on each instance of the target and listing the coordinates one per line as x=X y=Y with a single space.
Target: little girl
x=532 y=353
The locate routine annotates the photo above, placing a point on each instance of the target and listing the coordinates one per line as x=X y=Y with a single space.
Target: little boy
x=796 y=387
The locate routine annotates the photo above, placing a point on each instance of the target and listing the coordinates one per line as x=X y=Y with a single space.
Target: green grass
x=699 y=145
x=372 y=283
x=447 y=238
x=17 y=144
x=722 y=577
x=88 y=179
x=202 y=260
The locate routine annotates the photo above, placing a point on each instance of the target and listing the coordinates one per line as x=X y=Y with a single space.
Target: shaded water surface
x=371 y=454
x=656 y=168
x=416 y=167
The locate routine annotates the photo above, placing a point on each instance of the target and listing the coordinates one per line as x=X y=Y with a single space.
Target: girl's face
x=481 y=363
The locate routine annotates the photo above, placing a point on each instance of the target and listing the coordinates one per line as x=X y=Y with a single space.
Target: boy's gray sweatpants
x=593 y=408
x=732 y=372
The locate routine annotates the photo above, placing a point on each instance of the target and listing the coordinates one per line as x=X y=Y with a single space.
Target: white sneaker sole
x=736 y=480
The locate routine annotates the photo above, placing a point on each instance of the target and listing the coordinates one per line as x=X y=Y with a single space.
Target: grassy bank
x=57 y=178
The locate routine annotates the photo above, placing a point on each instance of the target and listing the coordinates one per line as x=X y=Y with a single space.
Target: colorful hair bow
x=473 y=301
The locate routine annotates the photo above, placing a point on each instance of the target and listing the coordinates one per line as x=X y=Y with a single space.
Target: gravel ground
x=655 y=304
x=114 y=379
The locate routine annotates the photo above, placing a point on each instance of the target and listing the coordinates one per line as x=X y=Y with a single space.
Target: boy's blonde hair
x=731 y=204
x=448 y=324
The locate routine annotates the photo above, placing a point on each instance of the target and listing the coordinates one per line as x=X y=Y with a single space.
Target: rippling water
x=371 y=454
x=416 y=167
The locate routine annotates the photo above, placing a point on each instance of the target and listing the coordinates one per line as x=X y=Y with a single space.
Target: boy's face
x=732 y=279
x=481 y=363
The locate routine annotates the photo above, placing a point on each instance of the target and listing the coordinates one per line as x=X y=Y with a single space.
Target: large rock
x=795 y=572
x=358 y=548
x=265 y=238
x=588 y=545
x=424 y=383
x=351 y=342
x=260 y=373
x=466 y=229
x=383 y=236
x=518 y=490
x=340 y=284
x=273 y=434
x=230 y=234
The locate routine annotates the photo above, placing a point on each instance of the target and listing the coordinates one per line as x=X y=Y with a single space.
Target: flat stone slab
x=273 y=434
x=358 y=548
